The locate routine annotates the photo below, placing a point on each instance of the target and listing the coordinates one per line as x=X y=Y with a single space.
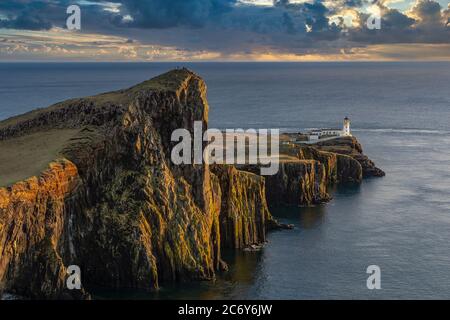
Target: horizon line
x=222 y=61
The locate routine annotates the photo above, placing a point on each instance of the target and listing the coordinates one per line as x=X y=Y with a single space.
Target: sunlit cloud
x=59 y=43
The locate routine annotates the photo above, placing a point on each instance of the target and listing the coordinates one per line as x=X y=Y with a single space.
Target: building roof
x=322 y=130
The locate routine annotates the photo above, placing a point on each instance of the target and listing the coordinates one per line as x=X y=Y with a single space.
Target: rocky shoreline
x=306 y=171
x=114 y=204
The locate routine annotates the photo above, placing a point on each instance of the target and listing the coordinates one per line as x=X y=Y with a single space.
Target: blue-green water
x=400 y=113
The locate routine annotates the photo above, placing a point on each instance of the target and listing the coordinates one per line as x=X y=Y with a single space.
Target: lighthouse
x=346 y=129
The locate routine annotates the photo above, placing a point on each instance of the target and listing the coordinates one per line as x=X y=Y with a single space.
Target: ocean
x=400 y=113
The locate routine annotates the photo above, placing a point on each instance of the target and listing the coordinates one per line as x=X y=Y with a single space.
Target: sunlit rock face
x=306 y=171
x=113 y=203
x=244 y=216
x=298 y=183
x=349 y=146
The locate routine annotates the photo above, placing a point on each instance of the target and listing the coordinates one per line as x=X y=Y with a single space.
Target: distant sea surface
x=400 y=113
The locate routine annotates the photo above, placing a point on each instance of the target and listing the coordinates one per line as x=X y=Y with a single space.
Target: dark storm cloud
x=429 y=12
x=395 y=20
x=28 y=15
x=316 y=14
x=165 y=14
x=43 y=15
x=285 y=17
x=26 y=22
x=426 y=23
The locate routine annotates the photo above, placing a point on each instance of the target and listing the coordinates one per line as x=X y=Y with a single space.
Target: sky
x=226 y=30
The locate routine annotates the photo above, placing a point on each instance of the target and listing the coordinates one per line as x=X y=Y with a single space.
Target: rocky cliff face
x=31 y=228
x=350 y=146
x=114 y=204
x=327 y=159
x=304 y=179
x=244 y=217
x=339 y=168
x=298 y=183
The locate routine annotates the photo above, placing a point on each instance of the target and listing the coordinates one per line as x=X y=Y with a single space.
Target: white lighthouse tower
x=346 y=129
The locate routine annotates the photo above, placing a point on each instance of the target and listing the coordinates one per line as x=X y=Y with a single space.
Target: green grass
x=28 y=156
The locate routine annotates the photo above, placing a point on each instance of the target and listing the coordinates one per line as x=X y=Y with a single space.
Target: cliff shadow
x=302 y=217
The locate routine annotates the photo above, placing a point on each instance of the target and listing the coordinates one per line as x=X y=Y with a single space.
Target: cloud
x=428 y=13
x=233 y=28
x=44 y=15
x=166 y=14
x=56 y=43
x=26 y=22
x=423 y=23
x=27 y=15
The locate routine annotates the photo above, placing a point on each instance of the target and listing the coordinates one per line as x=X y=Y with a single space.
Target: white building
x=329 y=133
x=346 y=130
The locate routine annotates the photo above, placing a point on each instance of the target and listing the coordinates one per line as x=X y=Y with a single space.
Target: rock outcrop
x=244 y=216
x=327 y=159
x=350 y=146
x=115 y=205
x=298 y=183
x=31 y=228
x=308 y=170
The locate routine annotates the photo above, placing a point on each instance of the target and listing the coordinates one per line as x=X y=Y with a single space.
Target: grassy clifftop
x=172 y=81
x=29 y=155
x=29 y=142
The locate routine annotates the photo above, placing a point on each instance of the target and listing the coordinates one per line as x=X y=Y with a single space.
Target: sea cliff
x=113 y=203
x=307 y=170
x=106 y=197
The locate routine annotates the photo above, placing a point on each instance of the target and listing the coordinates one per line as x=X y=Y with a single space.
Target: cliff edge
x=89 y=182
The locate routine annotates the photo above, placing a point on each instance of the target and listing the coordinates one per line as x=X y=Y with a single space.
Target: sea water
x=400 y=113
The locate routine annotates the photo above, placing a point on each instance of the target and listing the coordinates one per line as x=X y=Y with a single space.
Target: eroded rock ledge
x=307 y=170
x=305 y=178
